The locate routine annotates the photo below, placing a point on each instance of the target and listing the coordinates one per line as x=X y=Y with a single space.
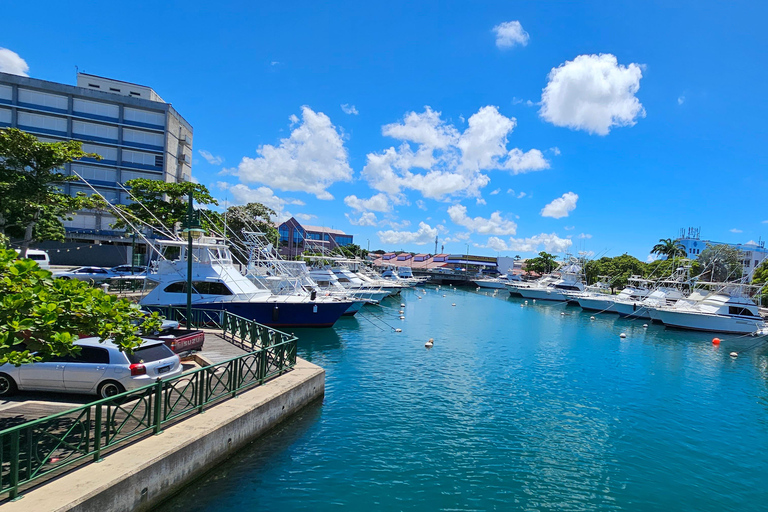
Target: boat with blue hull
x=218 y=285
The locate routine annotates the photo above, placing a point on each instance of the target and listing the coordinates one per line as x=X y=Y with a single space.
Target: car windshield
x=149 y=354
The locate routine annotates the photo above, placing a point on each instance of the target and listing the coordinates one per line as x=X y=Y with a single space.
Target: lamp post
x=193 y=226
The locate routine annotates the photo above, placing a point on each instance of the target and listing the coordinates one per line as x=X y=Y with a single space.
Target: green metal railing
x=52 y=445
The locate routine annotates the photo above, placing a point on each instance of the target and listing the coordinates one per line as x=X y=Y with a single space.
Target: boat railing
x=37 y=451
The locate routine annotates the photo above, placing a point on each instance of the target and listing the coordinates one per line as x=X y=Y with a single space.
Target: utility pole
x=190 y=212
x=435 y=244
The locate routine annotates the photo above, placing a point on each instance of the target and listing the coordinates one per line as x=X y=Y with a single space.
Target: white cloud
x=480 y=201
x=521 y=195
x=652 y=257
x=310 y=160
x=495 y=225
x=548 y=242
x=421 y=204
x=494 y=192
x=735 y=230
x=485 y=139
x=377 y=203
x=520 y=162
x=366 y=219
x=11 y=62
x=510 y=33
x=425 y=235
x=305 y=216
x=592 y=93
x=585 y=235
x=680 y=100
x=242 y=194
x=349 y=109
x=213 y=160
x=510 y=191
x=561 y=206
x=569 y=228
x=437 y=160
x=555 y=150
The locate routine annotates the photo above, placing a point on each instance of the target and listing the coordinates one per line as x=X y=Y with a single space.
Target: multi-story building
x=753 y=253
x=137 y=134
x=295 y=238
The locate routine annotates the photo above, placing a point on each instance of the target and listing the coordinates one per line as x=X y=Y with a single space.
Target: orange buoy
x=715 y=341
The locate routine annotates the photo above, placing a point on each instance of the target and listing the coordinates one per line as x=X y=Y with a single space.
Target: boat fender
x=734 y=354
x=623 y=335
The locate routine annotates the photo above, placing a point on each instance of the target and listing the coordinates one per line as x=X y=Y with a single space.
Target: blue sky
x=510 y=126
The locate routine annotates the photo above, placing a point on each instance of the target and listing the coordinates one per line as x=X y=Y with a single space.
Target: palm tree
x=669 y=248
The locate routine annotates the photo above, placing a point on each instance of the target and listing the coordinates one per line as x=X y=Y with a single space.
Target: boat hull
x=542 y=294
x=490 y=284
x=632 y=310
x=275 y=314
x=705 y=322
x=603 y=305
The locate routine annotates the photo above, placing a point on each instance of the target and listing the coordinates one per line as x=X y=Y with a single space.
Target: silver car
x=99 y=368
x=85 y=274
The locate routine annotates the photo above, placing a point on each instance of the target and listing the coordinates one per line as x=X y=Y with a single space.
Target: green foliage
x=249 y=217
x=669 y=248
x=620 y=268
x=167 y=202
x=720 y=263
x=350 y=251
x=760 y=276
x=41 y=317
x=544 y=263
x=32 y=205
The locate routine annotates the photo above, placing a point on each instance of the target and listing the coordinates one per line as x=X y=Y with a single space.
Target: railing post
x=235 y=380
x=97 y=435
x=158 y=391
x=254 y=335
x=202 y=380
x=14 y=473
x=262 y=365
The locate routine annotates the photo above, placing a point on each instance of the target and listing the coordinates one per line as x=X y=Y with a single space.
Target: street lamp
x=193 y=226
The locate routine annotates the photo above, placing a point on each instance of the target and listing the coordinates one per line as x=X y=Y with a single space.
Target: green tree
x=669 y=248
x=620 y=268
x=350 y=251
x=32 y=205
x=760 y=276
x=720 y=263
x=544 y=263
x=161 y=205
x=42 y=317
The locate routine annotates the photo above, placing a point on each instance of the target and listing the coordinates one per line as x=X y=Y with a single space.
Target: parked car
x=41 y=257
x=127 y=270
x=99 y=368
x=85 y=274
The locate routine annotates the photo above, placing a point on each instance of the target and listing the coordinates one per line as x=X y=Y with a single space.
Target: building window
x=94 y=86
x=134 y=93
x=139 y=116
x=114 y=90
x=47 y=123
x=95 y=131
x=95 y=108
x=43 y=99
x=143 y=138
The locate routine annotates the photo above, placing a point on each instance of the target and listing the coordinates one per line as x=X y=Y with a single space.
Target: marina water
x=515 y=408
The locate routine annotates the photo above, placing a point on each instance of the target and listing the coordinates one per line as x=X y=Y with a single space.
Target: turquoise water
x=515 y=408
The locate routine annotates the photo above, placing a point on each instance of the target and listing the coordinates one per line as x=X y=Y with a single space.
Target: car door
x=84 y=372
x=47 y=376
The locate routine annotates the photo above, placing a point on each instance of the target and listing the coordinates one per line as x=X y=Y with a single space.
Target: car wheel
x=110 y=388
x=8 y=386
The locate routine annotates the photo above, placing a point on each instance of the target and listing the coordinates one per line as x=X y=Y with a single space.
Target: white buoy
x=591 y=318
x=522 y=305
x=401 y=311
x=534 y=301
x=402 y=317
x=402 y=305
x=443 y=295
x=645 y=326
x=562 y=314
x=430 y=342
x=398 y=330
x=623 y=335
x=734 y=354
x=526 y=302
x=453 y=304
x=419 y=296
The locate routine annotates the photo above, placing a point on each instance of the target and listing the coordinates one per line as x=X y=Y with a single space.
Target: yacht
x=498 y=283
x=217 y=284
x=570 y=281
x=514 y=287
x=728 y=309
x=625 y=303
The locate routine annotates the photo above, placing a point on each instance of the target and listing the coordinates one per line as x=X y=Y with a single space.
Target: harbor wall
x=140 y=476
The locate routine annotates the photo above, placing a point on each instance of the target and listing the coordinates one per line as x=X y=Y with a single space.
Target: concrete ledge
x=140 y=476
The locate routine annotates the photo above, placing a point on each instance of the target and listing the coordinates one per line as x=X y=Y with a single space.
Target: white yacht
x=514 y=287
x=627 y=302
x=217 y=284
x=729 y=309
x=498 y=283
x=570 y=281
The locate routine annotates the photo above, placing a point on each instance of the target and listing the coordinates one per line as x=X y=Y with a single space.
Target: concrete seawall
x=142 y=475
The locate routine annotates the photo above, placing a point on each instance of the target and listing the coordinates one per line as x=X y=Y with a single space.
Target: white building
x=137 y=134
x=753 y=253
